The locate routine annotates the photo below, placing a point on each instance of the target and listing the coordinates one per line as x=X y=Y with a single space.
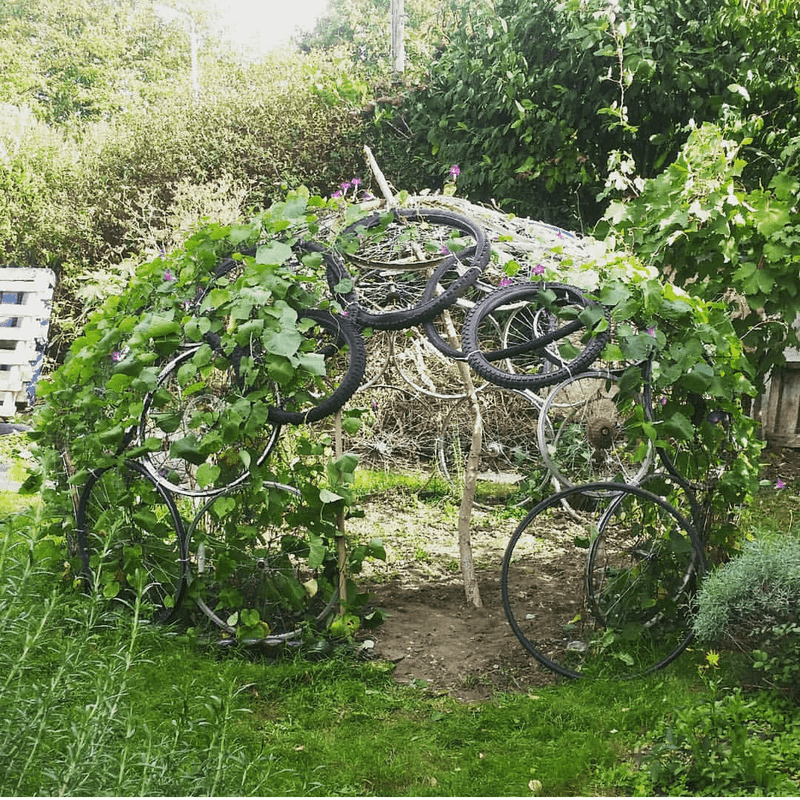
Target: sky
x=269 y=22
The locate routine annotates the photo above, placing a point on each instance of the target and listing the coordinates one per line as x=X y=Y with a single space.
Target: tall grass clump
x=88 y=710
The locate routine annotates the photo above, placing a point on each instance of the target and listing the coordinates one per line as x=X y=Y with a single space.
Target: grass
x=94 y=702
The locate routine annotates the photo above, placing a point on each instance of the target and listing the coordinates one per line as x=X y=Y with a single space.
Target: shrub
x=752 y=603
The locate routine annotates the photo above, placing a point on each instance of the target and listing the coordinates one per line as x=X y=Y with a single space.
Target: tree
x=81 y=60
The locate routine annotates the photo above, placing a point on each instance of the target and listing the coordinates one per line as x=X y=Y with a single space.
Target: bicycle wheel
x=606 y=595
x=387 y=259
x=335 y=357
x=425 y=369
x=527 y=336
x=585 y=434
x=253 y=569
x=131 y=540
x=208 y=429
x=396 y=431
x=509 y=454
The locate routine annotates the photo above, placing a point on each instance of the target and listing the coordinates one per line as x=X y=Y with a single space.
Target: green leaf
x=283 y=343
x=376 y=549
x=316 y=552
x=187 y=449
x=273 y=254
x=207 y=474
x=111 y=590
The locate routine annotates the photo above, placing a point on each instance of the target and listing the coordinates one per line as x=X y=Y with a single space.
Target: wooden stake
x=379 y=177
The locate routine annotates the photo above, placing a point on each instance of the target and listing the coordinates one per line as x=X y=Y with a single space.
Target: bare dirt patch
x=434 y=637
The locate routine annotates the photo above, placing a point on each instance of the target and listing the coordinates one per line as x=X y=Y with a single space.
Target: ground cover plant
x=97 y=701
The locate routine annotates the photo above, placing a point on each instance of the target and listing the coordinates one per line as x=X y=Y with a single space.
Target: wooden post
x=341 y=539
x=398 y=40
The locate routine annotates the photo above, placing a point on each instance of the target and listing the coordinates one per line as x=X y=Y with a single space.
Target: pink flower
x=168 y=276
x=345 y=186
x=356 y=182
x=337 y=194
x=779 y=484
x=538 y=269
x=505 y=281
x=455 y=171
x=116 y=356
x=651 y=331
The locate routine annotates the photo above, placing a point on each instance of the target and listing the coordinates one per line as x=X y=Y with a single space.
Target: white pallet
x=25 y=297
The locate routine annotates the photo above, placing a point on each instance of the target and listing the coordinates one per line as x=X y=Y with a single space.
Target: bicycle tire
x=582 y=433
x=445 y=329
x=129 y=533
x=389 y=295
x=251 y=557
x=640 y=559
x=340 y=344
x=545 y=368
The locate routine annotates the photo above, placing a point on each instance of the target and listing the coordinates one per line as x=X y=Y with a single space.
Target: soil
x=437 y=640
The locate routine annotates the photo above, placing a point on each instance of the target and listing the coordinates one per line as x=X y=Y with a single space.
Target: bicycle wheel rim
x=131 y=540
x=546 y=583
x=250 y=558
x=587 y=438
x=186 y=414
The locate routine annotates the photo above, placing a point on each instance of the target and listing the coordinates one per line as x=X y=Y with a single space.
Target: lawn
x=95 y=702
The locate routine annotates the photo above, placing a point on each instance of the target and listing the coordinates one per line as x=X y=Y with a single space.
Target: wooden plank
x=35 y=307
x=782 y=417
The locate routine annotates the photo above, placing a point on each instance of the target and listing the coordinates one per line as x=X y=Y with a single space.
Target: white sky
x=270 y=22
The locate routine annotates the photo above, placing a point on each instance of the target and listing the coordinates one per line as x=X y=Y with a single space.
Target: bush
x=752 y=604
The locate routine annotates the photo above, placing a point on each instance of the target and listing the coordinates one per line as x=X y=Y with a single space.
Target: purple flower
x=538 y=269
x=779 y=484
x=168 y=276
x=345 y=186
x=356 y=182
x=116 y=356
x=651 y=331
x=455 y=171
x=506 y=281
x=337 y=194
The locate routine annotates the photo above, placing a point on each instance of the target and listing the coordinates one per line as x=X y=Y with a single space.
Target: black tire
x=189 y=413
x=512 y=337
x=254 y=557
x=388 y=294
x=340 y=344
x=131 y=540
x=606 y=593
x=445 y=330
